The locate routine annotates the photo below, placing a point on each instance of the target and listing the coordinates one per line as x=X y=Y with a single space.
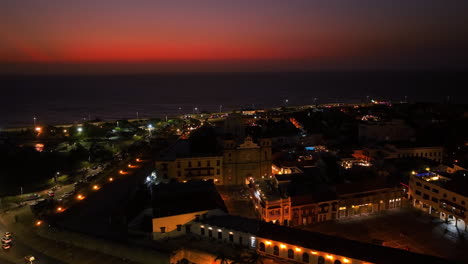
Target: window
x=463 y=202
x=178 y=165
x=427 y=187
x=435 y=200
x=305 y=257
x=454 y=199
x=321 y=260
x=189 y=164
x=445 y=195
x=202 y=231
x=179 y=227
x=208 y=163
x=217 y=171
x=337 y=262
x=262 y=247
x=218 y=163
x=178 y=174
x=240 y=240
x=199 y=164
x=220 y=235
x=435 y=190
x=253 y=242
x=187 y=229
x=163 y=229
x=290 y=254
x=210 y=233
x=231 y=237
x=418 y=193
x=276 y=250
x=418 y=184
x=425 y=196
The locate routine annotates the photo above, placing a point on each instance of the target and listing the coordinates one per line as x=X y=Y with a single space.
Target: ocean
x=74 y=98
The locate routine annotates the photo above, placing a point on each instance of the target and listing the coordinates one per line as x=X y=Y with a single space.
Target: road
x=19 y=250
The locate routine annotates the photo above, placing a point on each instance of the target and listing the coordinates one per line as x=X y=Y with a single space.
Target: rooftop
x=456 y=182
x=321 y=242
x=181 y=198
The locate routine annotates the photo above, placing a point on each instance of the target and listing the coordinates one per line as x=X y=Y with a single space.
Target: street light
x=150 y=127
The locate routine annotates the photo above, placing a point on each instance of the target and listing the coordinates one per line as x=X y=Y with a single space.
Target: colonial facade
x=309 y=208
x=192 y=168
x=282 y=243
x=440 y=196
x=246 y=160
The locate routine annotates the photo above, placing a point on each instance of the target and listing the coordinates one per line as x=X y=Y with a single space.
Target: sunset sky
x=38 y=36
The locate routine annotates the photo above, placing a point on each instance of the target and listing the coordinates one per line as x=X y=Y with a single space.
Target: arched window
x=321 y=260
x=305 y=257
x=337 y=262
x=276 y=250
x=262 y=247
x=290 y=254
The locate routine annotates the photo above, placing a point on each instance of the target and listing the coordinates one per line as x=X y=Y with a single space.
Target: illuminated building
x=283 y=243
x=442 y=195
x=180 y=164
x=246 y=160
x=175 y=205
x=321 y=203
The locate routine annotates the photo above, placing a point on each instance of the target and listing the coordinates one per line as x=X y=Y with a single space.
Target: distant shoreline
x=20 y=128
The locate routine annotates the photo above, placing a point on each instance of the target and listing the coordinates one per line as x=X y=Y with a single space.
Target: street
x=19 y=249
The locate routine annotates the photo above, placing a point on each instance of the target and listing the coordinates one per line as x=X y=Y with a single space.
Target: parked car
x=33 y=196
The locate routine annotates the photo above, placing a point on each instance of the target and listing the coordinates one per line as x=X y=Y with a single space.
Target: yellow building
x=443 y=196
x=246 y=160
x=192 y=168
